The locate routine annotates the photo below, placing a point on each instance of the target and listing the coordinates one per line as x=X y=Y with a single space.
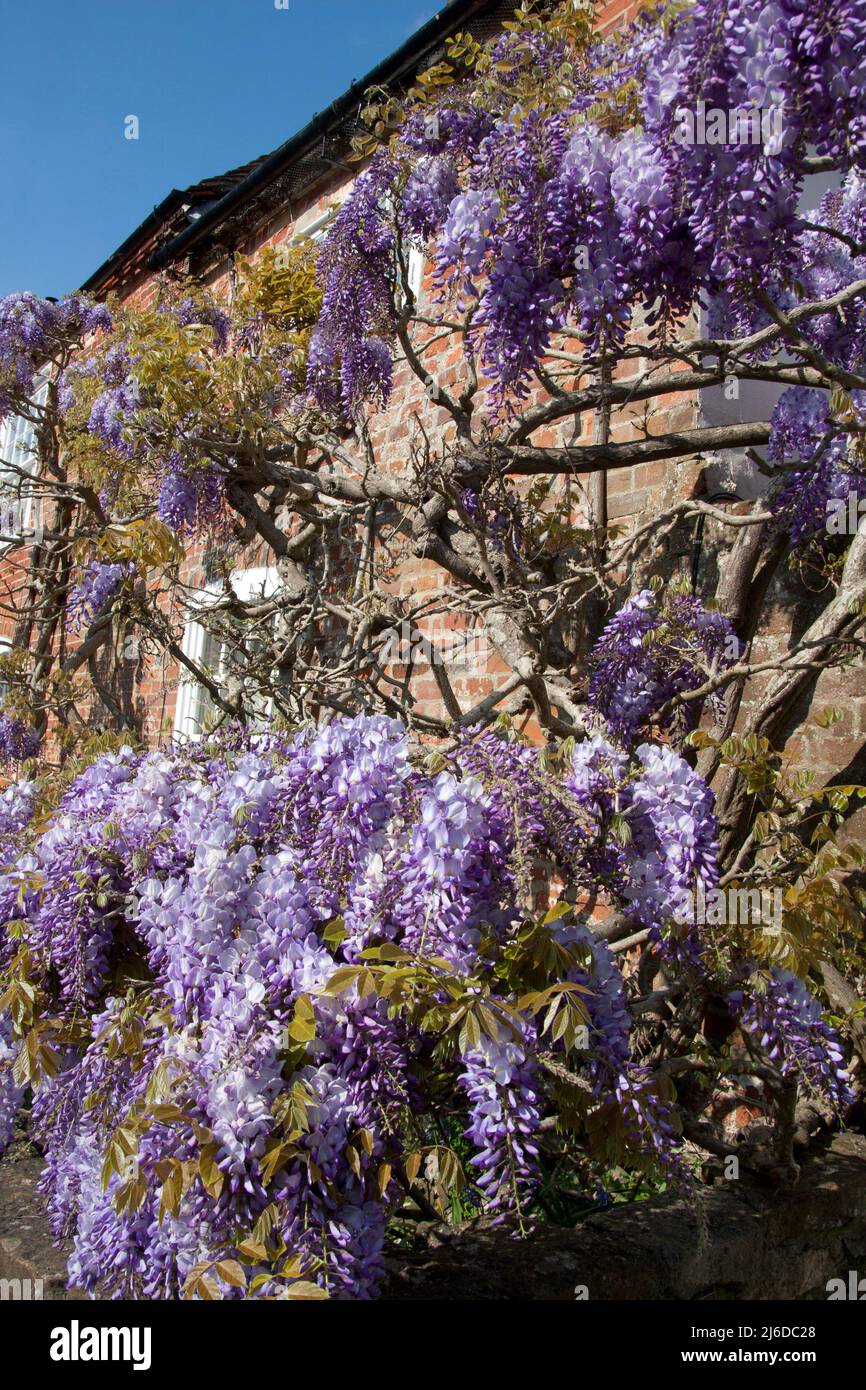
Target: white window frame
x=315 y=229
x=415 y=269
x=18 y=450
x=193 y=700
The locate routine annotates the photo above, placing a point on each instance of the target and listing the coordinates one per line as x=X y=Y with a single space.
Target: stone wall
x=737 y=1240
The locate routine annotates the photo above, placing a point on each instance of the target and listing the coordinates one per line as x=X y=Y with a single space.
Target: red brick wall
x=634 y=493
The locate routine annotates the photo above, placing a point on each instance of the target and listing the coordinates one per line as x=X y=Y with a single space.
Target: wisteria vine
x=258 y=956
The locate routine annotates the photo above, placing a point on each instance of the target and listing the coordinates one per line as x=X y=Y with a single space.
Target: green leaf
x=303 y=1289
x=561 y=909
x=232 y=1273
x=335 y=933
x=253 y=1251
x=383 y=1178
x=303 y=1025
x=212 y=1179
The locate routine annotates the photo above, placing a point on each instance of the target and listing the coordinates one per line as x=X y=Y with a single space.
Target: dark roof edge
x=151 y=223
x=407 y=56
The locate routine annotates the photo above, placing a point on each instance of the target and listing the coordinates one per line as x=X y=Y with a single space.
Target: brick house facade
x=287 y=195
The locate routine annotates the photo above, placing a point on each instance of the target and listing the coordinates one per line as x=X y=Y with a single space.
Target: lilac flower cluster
x=654 y=648
x=222 y=889
x=32 y=330
x=499 y=514
x=430 y=189
x=17 y=803
x=672 y=844
x=189 y=497
x=18 y=740
x=98 y=583
x=175 y=851
x=514 y=52
x=674 y=837
x=112 y=413
x=456 y=130
x=500 y=1078
x=548 y=215
x=616 y=1077
x=11 y=1093
x=799 y=429
x=358 y=316
x=228 y=987
x=527 y=818
x=191 y=311
x=467 y=233
x=118 y=416
x=785 y=1021
x=802 y=429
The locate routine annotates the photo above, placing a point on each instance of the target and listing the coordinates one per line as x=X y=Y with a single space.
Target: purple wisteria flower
x=500 y=1078
x=800 y=431
x=653 y=649
x=32 y=330
x=189 y=497
x=98 y=584
x=18 y=739
x=11 y=1092
x=430 y=190
x=358 y=315
x=786 y=1022
x=228 y=887
x=17 y=803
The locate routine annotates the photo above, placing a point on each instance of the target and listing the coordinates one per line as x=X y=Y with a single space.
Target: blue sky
x=213 y=82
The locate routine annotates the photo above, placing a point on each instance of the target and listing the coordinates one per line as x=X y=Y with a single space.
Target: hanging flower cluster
x=350 y=359
x=18 y=739
x=785 y=1021
x=135 y=399
x=670 y=845
x=657 y=647
x=33 y=329
x=828 y=476
x=545 y=212
x=16 y=807
x=188 y=498
x=98 y=584
x=258 y=953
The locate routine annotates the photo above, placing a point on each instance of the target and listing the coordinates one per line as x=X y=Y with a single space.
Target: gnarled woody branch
x=527 y=460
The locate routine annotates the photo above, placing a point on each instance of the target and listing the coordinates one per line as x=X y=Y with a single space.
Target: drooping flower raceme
x=542 y=212
x=17 y=803
x=11 y=1092
x=674 y=850
x=97 y=585
x=786 y=1022
x=236 y=940
x=18 y=740
x=33 y=329
x=500 y=1078
x=431 y=188
x=652 y=650
x=828 y=475
x=670 y=852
